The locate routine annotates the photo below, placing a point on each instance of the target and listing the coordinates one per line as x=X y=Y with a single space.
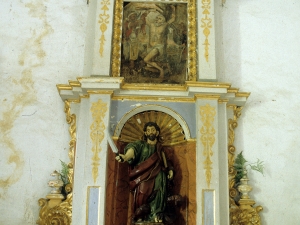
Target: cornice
x=83 y=87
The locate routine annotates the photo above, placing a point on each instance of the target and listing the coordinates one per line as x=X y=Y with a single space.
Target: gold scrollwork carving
x=71 y=119
x=170 y=129
x=232 y=124
x=97 y=128
x=246 y=214
x=192 y=51
x=60 y=214
x=206 y=25
x=242 y=211
x=53 y=210
x=103 y=21
x=116 y=56
x=207 y=131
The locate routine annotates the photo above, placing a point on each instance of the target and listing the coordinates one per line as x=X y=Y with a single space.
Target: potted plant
x=241 y=166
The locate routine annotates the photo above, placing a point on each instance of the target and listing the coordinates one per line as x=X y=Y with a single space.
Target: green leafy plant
x=240 y=165
x=64 y=172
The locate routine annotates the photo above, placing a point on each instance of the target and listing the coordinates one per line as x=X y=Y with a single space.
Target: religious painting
x=154 y=42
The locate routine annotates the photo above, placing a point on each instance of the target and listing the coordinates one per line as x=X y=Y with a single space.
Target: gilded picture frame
x=154 y=42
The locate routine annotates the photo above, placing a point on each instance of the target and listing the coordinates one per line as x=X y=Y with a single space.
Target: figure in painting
x=149 y=176
x=157 y=41
x=132 y=27
x=147 y=35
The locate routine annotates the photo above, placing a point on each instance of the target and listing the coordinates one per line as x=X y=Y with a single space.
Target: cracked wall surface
x=32 y=61
x=31 y=56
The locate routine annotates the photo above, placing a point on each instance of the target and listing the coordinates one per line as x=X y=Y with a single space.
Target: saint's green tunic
x=142 y=151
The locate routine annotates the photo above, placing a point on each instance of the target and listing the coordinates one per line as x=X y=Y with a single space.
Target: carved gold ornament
x=71 y=119
x=206 y=25
x=246 y=216
x=103 y=21
x=116 y=56
x=59 y=215
x=171 y=131
x=97 y=128
x=242 y=211
x=192 y=67
x=232 y=124
x=55 y=210
x=207 y=138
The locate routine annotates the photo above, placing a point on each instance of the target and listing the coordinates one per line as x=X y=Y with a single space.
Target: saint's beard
x=151 y=137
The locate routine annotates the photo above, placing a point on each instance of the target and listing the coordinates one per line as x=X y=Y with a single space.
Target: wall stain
x=29 y=214
x=31 y=57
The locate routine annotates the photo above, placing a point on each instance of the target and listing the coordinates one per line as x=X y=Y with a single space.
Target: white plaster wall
x=42 y=44
x=259 y=53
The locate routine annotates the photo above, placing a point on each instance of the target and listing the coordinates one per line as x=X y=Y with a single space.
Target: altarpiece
x=150 y=61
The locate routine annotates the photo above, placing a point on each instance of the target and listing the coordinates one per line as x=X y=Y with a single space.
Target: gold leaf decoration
x=116 y=56
x=206 y=25
x=243 y=212
x=71 y=119
x=171 y=131
x=246 y=216
x=59 y=215
x=232 y=124
x=103 y=21
x=192 y=49
x=97 y=128
x=207 y=138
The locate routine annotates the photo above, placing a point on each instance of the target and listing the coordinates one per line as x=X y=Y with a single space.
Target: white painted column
x=206 y=41
x=79 y=183
x=99 y=34
x=91 y=160
x=207 y=158
x=223 y=163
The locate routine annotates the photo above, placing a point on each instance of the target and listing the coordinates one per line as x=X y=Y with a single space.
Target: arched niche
x=179 y=148
x=165 y=117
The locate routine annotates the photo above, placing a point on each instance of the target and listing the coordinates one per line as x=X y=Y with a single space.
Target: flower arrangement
x=240 y=165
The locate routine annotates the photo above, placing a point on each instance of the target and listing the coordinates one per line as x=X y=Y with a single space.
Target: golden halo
x=171 y=131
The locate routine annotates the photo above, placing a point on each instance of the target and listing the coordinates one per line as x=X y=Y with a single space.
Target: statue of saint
x=149 y=175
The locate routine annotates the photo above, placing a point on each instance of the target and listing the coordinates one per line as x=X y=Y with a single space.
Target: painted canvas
x=154 y=42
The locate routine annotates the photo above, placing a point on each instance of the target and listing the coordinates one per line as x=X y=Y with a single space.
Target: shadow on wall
x=228 y=42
